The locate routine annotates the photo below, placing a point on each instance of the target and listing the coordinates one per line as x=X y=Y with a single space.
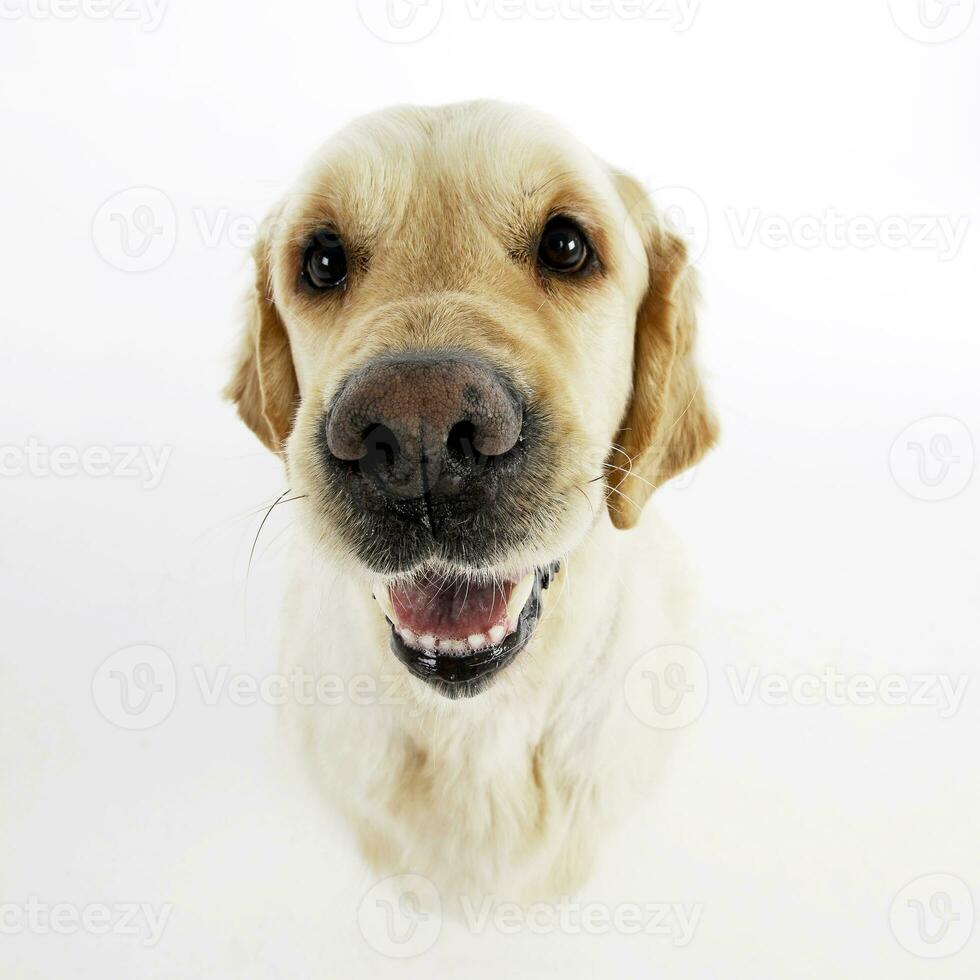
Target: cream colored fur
x=509 y=792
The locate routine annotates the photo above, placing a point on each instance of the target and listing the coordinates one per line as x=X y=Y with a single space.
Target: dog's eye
x=563 y=246
x=325 y=261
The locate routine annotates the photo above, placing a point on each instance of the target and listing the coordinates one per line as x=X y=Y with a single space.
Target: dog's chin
x=457 y=630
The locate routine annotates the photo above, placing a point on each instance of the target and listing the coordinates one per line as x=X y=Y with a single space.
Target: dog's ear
x=264 y=386
x=668 y=425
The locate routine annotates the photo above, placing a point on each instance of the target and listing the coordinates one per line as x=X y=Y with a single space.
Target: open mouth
x=458 y=633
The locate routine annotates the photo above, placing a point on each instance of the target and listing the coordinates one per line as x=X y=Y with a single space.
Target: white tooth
x=518 y=598
x=408 y=636
x=452 y=646
x=428 y=641
x=477 y=640
x=497 y=633
x=383 y=598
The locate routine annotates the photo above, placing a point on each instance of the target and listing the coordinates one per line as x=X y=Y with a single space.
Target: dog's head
x=468 y=338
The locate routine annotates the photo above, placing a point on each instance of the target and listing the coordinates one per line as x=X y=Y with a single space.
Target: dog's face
x=468 y=338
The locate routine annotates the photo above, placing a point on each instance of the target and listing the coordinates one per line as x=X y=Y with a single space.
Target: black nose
x=422 y=424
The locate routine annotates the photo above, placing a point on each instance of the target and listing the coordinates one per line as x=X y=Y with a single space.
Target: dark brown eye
x=563 y=246
x=325 y=261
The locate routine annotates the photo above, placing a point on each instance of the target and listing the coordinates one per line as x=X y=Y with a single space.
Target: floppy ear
x=668 y=425
x=264 y=386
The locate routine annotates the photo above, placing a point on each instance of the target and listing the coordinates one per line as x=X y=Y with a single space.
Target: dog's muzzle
x=435 y=455
x=440 y=466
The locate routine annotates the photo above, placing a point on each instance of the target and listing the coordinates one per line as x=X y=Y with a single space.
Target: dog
x=472 y=343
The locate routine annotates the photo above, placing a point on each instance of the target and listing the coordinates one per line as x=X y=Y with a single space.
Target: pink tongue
x=452 y=612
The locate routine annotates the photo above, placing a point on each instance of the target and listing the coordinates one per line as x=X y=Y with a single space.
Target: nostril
x=459 y=443
x=381 y=447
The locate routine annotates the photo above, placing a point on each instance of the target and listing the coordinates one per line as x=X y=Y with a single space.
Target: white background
x=792 y=828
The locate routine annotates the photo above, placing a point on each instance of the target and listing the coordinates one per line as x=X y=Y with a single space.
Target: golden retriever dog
x=471 y=342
